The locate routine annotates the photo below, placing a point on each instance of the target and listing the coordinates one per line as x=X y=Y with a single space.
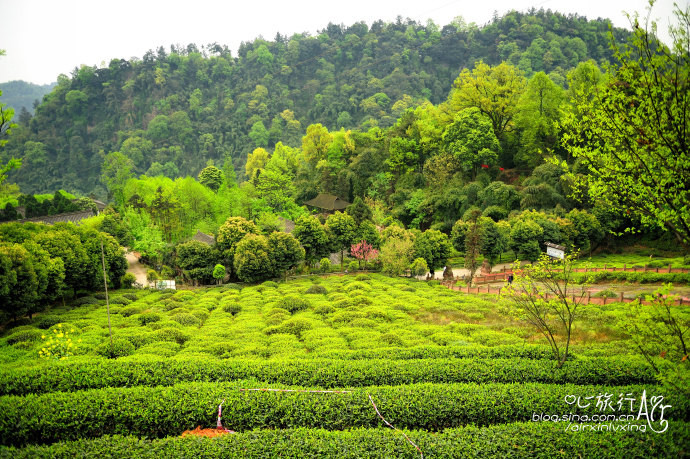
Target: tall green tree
x=471 y=139
x=635 y=140
x=495 y=91
x=342 y=228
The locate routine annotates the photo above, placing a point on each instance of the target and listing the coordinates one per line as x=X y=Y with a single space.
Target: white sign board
x=556 y=253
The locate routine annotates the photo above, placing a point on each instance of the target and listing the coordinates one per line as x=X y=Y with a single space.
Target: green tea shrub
x=186 y=319
x=269 y=284
x=232 y=308
x=324 y=309
x=293 y=326
x=201 y=314
x=119 y=300
x=172 y=334
x=22 y=336
x=119 y=348
x=357 y=285
x=363 y=277
x=148 y=318
x=293 y=304
x=159 y=348
x=223 y=349
x=131 y=296
x=99 y=295
x=353 y=266
x=494 y=338
x=392 y=339
x=316 y=290
x=130 y=311
x=45 y=322
x=84 y=300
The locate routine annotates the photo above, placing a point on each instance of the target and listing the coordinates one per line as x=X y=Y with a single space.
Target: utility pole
x=107 y=301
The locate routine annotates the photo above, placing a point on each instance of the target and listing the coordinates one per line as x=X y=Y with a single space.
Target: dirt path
x=136 y=268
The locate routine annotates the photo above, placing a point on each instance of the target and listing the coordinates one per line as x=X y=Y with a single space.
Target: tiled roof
x=328 y=202
x=203 y=237
x=73 y=217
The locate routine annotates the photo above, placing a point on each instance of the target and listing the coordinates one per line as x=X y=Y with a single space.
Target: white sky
x=44 y=38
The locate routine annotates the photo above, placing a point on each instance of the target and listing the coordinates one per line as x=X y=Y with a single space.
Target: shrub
x=167 y=411
x=293 y=304
x=85 y=300
x=292 y=327
x=119 y=348
x=201 y=315
x=131 y=296
x=324 y=309
x=353 y=266
x=172 y=334
x=541 y=439
x=269 y=284
x=232 y=308
x=316 y=290
x=99 y=295
x=119 y=300
x=22 y=336
x=45 y=322
x=325 y=265
x=130 y=311
x=606 y=293
x=419 y=267
x=148 y=318
x=127 y=280
x=186 y=319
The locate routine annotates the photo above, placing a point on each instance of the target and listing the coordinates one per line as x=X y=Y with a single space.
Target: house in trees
x=327 y=203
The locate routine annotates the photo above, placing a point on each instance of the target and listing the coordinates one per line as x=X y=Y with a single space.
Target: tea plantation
x=456 y=373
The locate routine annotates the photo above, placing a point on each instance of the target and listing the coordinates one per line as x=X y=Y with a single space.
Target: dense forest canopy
x=175 y=109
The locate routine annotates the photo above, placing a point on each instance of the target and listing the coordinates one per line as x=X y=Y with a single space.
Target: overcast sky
x=44 y=38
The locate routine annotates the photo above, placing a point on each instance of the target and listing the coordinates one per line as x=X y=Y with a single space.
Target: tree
x=211 y=177
x=115 y=171
x=635 y=139
x=660 y=331
x=80 y=271
x=363 y=251
x=18 y=281
x=543 y=294
x=495 y=91
x=219 y=273
x=525 y=236
x=359 y=210
x=472 y=140
x=196 y=259
x=252 y=260
x=342 y=229
x=539 y=110
x=473 y=241
x=396 y=254
x=231 y=233
x=256 y=162
x=285 y=252
x=313 y=238
x=434 y=247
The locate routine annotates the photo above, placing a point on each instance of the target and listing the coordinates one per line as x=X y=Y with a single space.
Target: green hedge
x=641 y=277
x=152 y=371
x=438 y=352
x=506 y=441
x=165 y=411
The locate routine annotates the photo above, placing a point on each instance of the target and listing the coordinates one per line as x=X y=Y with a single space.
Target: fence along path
x=488 y=278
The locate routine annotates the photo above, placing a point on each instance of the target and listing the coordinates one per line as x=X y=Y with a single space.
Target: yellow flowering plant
x=57 y=346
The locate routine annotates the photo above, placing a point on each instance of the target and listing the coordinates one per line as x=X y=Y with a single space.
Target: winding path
x=136 y=268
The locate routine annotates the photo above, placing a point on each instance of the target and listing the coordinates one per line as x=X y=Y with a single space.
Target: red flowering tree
x=363 y=251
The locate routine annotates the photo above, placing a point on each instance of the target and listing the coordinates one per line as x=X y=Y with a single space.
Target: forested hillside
x=21 y=96
x=175 y=109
